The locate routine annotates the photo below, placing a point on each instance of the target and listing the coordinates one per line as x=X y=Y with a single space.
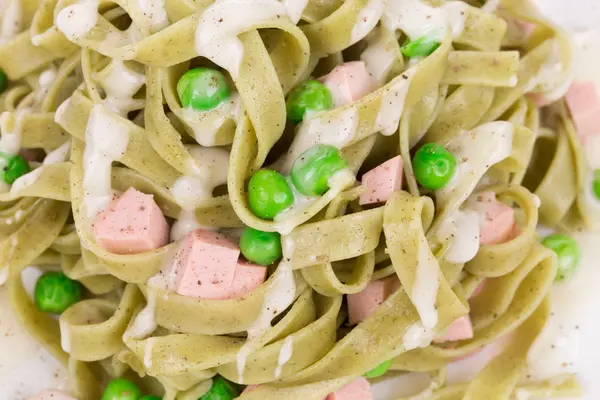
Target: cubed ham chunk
x=364 y=303
x=584 y=103
x=247 y=277
x=497 y=220
x=206 y=265
x=349 y=82
x=358 y=389
x=460 y=329
x=52 y=395
x=132 y=224
x=382 y=181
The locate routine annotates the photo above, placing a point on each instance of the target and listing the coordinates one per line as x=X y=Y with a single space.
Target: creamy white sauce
x=11 y=23
x=426 y=284
x=77 y=20
x=490 y=6
x=149 y=345
x=65 y=336
x=523 y=394
x=145 y=322
x=204 y=125
x=462 y=231
x=417 y=336
x=221 y=23
x=291 y=217
x=294 y=9
x=11 y=128
x=284 y=355
x=106 y=140
x=59 y=154
x=378 y=56
x=60 y=111
x=392 y=104
x=56 y=156
x=3 y=275
x=120 y=84
x=366 y=19
x=155 y=13
x=554 y=77
x=189 y=191
x=475 y=152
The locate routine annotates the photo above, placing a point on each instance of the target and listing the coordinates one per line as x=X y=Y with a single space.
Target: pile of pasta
x=485 y=70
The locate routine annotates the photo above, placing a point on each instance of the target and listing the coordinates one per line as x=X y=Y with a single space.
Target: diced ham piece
x=349 y=82
x=52 y=395
x=364 y=303
x=584 y=103
x=497 y=220
x=460 y=329
x=358 y=389
x=247 y=277
x=206 y=264
x=132 y=224
x=382 y=181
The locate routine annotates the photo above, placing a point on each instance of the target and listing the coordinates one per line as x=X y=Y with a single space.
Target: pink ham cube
x=497 y=220
x=52 y=395
x=206 y=265
x=460 y=329
x=247 y=277
x=132 y=224
x=364 y=303
x=349 y=82
x=382 y=181
x=584 y=103
x=358 y=389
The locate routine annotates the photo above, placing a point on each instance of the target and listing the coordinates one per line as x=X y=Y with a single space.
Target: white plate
x=26 y=368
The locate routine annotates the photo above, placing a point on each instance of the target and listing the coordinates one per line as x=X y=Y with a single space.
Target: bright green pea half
x=596 y=183
x=263 y=248
x=221 y=389
x=379 y=370
x=313 y=168
x=568 y=252
x=55 y=292
x=434 y=166
x=121 y=389
x=309 y=95
x=3 y=81
x=420 y=47
x=203 y=88
x=269 y=194
x=14 y=167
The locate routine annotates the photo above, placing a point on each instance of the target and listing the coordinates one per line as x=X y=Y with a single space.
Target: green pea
x=203 y=88
x=313 y=168
x=14 y=167
x=55 y=292
x=568 y=252
x=309 y=95
x=150 y=397
x=434 y=166
x=221 y=389
x=121 y=389
x=379 y=370
x=596 y=183
x=260 y=247
x=420 y=47
x=269 y=194
x=3 y=81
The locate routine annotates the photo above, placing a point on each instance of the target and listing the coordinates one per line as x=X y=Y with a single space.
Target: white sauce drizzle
x=426 y=284
x=54 y=157
x=11 y=23
x=45 y=81
x=155 y=13
x=3 y=275
x=284 y=355
x=121 y=83
x=294 y=9
x=65 y=336
x=378 y=56
x=490 y=6
x=145 y=322
x=106 y=141
x=553 y=80
x=221 y=23
x=204 y=125
x=77 y=20
x=11 y=128
x=149 y=345
x=366 y=19
x=417 y=336
x=392 y=104
x=462 y=230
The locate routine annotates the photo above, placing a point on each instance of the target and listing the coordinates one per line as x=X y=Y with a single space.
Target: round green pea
x=269 y=193
x=568 y=252
x=3 y=81
x=150 y=397
x=379 y=370
x=309 y=95
x=263 y=248
x=221 y=389
x=121 y=389
x=14 y=167
x=434 y=166
x=54 y=292
x=313 y=168
x=203 y=88
x=596 y=183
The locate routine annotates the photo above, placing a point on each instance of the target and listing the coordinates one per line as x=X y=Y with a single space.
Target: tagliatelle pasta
x=447 y=128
